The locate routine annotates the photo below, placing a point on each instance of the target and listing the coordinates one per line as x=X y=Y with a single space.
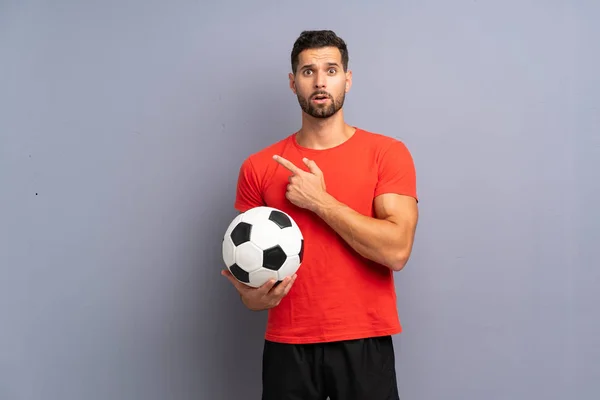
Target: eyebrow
x=331 y=64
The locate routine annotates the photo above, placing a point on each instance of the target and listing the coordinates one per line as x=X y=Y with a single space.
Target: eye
x=332 y=70
x=307 y=72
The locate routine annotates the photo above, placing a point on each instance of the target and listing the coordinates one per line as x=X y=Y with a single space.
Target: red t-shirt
x=338 y=294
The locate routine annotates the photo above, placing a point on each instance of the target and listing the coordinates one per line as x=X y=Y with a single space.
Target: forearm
x=379 y=240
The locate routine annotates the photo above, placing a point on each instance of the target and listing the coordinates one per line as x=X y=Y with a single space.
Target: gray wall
x=122 y=127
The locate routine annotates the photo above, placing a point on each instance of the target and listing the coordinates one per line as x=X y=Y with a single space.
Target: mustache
x=320 y=93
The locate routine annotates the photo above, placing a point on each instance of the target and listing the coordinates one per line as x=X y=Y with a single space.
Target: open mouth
x=320 y=98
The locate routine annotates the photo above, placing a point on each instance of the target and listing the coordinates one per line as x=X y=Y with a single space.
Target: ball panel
x=239 y=274
x=232 y=225
x=248 y=257
x=274 y=258
x=301 y=253
x=265 y=234
x=290 y=240
x=289 y=267
x=260 y=277
x=228 y=251
x=257 y=214
x=241 y=233
x=280 y=219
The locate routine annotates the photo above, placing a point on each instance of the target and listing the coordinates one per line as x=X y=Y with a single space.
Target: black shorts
x=361 y=369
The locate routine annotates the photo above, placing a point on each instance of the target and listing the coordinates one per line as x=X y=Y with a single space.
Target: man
x=353 y=195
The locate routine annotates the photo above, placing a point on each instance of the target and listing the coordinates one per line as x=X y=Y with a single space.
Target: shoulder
x=383 y=146
x=262 y=159
x=267 y=152
x=394 y=164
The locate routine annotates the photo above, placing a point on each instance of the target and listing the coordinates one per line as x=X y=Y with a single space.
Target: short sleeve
x=396 y=171
x=248 y=192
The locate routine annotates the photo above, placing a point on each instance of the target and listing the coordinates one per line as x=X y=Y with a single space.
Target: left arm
x=386 y=239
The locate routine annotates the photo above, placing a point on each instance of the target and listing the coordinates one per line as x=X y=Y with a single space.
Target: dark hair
x=316 y=40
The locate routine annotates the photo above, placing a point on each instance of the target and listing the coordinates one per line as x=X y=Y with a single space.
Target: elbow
x=398 y=261
x=398 y=264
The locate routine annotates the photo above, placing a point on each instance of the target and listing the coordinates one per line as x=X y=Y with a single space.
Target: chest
x=352 y=182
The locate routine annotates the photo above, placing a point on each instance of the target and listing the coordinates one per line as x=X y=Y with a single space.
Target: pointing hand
x=306 y=189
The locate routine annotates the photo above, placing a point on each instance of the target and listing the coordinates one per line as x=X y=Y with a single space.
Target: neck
x=323 y=133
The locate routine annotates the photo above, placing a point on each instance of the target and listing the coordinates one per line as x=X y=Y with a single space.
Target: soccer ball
x=262 y=243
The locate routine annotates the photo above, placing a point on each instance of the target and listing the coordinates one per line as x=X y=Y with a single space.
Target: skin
x=386 y=239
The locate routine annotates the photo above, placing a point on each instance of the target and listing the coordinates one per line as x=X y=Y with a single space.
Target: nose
x=320 y=80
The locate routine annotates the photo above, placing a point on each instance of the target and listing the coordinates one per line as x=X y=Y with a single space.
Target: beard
x=321 y=110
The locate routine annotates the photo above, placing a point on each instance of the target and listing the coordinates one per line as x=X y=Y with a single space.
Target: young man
x=353 y=195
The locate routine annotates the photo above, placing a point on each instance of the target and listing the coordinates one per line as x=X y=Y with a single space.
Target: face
x=320 y=82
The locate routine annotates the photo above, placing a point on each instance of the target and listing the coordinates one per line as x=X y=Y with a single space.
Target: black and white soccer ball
x=262 y=243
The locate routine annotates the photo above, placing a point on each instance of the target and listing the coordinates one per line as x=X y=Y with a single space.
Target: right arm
x=248 y=195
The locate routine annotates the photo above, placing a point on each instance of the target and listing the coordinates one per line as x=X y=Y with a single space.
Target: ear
x=292 y=82
x=348 y=80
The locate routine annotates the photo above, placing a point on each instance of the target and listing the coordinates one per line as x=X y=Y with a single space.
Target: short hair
x=315 y=40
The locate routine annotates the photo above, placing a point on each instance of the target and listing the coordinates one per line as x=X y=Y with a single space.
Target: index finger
x=287 y=164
